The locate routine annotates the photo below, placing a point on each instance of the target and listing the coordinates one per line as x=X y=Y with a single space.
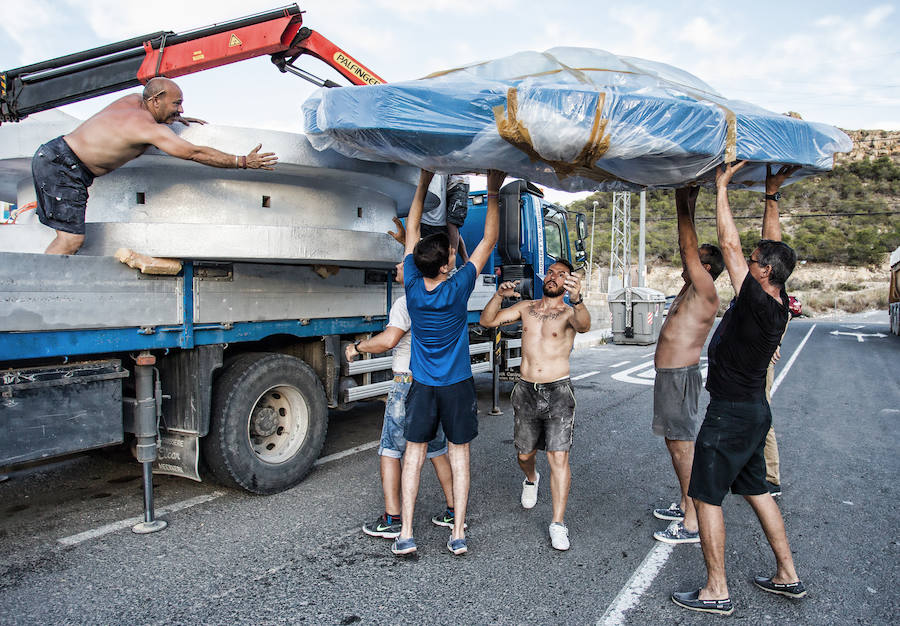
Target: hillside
x=848 y=218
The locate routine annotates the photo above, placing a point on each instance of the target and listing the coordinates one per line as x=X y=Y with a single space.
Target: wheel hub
x=264 y=422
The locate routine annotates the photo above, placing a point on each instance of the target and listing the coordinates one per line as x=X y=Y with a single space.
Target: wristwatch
x=356 y=346
x=774 y=196
x=573 y=303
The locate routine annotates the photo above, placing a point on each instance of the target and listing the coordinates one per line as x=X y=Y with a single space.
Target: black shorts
x=454 y=407
x=426 y=230
x=729 y=449
x=61 y=184
x=457 y=204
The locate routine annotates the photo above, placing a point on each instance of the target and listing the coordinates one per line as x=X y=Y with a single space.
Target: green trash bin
x=637 y=315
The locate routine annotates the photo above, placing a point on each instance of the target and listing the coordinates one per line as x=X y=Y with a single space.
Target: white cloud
x=877 y=15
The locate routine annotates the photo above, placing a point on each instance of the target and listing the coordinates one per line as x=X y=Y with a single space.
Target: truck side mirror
x=581 y=227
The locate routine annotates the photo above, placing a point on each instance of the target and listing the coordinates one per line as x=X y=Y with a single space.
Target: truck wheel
x=268 y=423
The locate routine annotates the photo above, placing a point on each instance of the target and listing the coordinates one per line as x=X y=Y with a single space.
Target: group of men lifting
x=432 y=410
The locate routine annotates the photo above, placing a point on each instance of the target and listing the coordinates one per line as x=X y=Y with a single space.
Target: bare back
x=115 y=135
x=547 y=339
x=684 y=332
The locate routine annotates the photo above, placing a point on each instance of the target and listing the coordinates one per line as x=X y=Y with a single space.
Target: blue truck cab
x=534 y=233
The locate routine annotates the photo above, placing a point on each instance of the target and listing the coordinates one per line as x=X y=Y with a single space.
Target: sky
x=831 y=61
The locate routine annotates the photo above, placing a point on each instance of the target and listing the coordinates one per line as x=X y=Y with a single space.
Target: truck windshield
x=554 y=227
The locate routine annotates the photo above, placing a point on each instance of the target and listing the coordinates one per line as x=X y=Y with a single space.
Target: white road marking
x=859 y=336
x=625 y=376
x=620 y=364
x=639 y=582
x=787 y=366
x=646 y=572
x=127 y=523
x=580 y=376
x=340 y=455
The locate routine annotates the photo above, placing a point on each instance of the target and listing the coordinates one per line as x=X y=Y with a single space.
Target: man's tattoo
x=543 y=316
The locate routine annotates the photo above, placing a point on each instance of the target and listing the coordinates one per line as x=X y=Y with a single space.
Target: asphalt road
x=300 y=556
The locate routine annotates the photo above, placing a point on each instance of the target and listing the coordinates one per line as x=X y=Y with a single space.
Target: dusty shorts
x=61 y=182
x=393 y=442
x=676 y=402
x=728 y=453
x=453 y=408
x=545 y=415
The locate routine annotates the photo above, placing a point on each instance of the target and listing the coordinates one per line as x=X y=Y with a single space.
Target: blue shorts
x=454 y=407
x=393 y=441
x=61 y=184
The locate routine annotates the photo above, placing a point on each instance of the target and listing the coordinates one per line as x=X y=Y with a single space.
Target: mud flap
x=178 y=455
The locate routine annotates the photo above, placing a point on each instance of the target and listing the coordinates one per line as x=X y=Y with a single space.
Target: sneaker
x=529 y=492
x=446 y=519
x=380 y=528
x=791 y=590
x=674 y=512
x=677 y=533
x=457 y=546
x=403 y=545
x=774 y=490
x=691 y=600
x=559 y=536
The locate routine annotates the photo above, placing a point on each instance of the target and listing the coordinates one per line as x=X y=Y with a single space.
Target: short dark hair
x=712 y=256
x=568 y=265
x=431 y=254
x=780 y=257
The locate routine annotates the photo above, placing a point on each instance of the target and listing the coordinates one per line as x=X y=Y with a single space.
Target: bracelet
x=493 y=195
x=243 y=162
x=356 y=346
x=577 y=303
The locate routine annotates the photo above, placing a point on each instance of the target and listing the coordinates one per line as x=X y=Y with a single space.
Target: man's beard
x=550 y=293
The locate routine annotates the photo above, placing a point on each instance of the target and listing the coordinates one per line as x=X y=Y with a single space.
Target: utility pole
x=620 y=248
x=642 y=240
x=591 y=261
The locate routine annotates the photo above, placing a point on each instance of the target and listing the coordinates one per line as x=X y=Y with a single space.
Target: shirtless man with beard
x=543 y=398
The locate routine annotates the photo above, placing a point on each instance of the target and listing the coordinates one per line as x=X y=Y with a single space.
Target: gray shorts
x=676 y=402
x=545 y=415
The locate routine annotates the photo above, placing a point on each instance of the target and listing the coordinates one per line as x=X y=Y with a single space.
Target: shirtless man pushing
x=543 y=400
x=676 y=388
x=65 y=167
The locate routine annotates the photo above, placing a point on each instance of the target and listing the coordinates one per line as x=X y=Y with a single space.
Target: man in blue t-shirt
x=443 y=391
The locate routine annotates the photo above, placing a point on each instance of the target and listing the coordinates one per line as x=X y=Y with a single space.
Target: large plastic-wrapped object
x=574 y=119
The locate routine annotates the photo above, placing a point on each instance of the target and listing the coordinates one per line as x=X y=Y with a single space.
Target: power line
x=783 y=215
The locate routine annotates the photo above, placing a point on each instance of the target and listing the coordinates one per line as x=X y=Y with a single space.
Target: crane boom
x=278 y=33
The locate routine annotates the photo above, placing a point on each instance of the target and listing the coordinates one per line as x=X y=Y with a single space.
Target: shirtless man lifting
x=676 y=388
x=543 y=399
x=65 y=167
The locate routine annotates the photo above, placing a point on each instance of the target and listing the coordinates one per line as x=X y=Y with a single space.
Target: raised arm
x=581 y=320
x=492 y=316
x=163 y=138
x=482 y=251
x=729 y=239
x=694 y=272
x=771 y=228
x=414 y=219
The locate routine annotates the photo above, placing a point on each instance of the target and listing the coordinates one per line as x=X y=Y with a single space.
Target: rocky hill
x=872 y=145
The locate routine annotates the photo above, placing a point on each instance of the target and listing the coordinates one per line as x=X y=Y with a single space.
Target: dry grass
x=821 y=288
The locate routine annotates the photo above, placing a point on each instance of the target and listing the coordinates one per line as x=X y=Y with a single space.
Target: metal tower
x=620 y=250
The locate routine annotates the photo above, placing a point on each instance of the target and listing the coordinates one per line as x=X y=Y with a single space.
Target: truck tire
x=268 y=423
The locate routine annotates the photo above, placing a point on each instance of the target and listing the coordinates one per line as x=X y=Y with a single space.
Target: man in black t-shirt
x=728 y=453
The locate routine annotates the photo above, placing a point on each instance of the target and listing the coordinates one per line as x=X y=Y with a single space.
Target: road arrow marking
x=859 y=336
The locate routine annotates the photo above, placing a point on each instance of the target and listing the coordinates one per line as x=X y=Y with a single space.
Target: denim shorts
x=61 y=184
x=729 y=451
x=393 y=442
x=545 y=415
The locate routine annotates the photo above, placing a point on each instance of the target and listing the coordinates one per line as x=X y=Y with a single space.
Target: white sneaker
x=529 y=493
x=559 y=536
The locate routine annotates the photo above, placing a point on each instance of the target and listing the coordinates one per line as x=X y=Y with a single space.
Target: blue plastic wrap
x=574 y=119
